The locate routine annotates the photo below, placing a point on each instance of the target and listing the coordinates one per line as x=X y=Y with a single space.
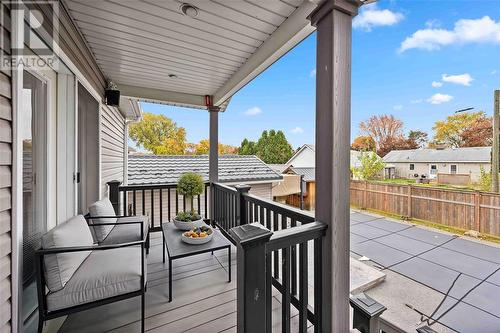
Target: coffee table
x=177 y=249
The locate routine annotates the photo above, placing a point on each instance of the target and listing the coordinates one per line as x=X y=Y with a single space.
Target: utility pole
x=495 y=151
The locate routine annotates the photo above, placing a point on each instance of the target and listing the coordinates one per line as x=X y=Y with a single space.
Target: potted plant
x=188 y=220
x=190 y=185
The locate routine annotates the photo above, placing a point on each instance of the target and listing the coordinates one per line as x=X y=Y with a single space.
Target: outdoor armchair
x=80 y=275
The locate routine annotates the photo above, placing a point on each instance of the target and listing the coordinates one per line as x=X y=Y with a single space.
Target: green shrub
x=485 y=180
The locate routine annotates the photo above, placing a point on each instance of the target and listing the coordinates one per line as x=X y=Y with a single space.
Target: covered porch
x=195 y=55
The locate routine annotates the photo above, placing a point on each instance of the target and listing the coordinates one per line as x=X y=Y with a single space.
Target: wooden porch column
x=213 y=174
x=213 y=154
x=333 y=19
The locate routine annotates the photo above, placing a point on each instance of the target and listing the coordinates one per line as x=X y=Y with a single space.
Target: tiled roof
x=308 y=173
x=467 y=155
x=168 y=169
x=279 y=168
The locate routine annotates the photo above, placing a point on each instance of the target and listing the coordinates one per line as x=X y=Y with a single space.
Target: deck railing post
x=114 y=195
x=251 y=289
x=366 y=313
x=241 y=207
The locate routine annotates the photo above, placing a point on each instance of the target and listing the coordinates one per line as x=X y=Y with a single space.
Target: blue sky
x=419 y=60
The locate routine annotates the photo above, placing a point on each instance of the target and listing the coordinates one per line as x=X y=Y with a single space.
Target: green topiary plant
x=190 y=185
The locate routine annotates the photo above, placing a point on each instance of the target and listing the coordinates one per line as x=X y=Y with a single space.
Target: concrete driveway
x=464 y=272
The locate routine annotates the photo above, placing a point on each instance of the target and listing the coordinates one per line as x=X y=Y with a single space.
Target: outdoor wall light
x=112 y=94
x=189 y=10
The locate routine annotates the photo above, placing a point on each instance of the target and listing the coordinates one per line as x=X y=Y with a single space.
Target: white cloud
x=493 y=72
x=312 y=73
x=398 y=107
x=483 y=30
x=416 y=101
x=462 y=79
x=370 y=17
x=253 y=111
x=297 y=130
x=439 y=98
x=437 y=84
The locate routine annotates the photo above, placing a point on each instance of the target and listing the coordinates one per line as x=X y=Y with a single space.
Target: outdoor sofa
x=80 y=274
x=108 y=228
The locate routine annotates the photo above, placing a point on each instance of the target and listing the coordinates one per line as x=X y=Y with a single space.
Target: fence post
x=477 y=210
x=365 y=195
x=410 y=208
x=114 y=195
x=241 y=207
x=251 y=281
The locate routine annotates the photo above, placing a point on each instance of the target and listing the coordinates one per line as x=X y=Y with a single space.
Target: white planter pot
x=188 y=225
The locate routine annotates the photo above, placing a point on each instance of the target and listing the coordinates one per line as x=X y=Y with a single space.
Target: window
x=412 y=166
x=453 y=169
x=433 y=169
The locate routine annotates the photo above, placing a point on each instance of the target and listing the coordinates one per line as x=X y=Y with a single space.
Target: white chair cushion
x=102 y=207
x=128 y=232
x=60 y=267
x=105 y=273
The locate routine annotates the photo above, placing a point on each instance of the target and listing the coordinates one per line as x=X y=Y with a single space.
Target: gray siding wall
x=5 y=186
x=262 y=190
x=112 y=146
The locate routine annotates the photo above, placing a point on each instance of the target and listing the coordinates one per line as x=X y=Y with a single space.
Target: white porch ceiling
x=139 y=43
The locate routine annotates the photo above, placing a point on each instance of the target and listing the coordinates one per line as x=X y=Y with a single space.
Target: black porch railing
x=161 y=202
x=278 y=259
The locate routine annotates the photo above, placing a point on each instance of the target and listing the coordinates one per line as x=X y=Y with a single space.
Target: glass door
x=33 y=120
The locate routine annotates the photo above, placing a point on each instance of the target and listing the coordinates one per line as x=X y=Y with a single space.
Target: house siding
x=262 y=190
x=112 y=146
x=5 y=184
x=472 y=169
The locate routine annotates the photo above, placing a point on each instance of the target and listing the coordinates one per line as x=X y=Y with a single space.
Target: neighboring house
x=431 y=162
x=233 y=170
x=302 y=163
x=303 y=157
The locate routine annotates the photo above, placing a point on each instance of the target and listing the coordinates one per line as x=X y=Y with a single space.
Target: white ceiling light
x=189 y=10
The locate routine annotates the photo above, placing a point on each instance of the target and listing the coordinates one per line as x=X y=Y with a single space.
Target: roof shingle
x=467 y=155
x=167 y=169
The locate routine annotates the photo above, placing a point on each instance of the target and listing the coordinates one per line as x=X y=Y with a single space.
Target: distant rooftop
x=309 y=173
x=168 y=169
x=465 y=155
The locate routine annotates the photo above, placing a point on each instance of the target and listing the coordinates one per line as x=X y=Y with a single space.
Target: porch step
x=363 y=277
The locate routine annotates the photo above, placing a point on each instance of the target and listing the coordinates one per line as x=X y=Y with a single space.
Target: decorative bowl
x=198 y=240
x=182 y=225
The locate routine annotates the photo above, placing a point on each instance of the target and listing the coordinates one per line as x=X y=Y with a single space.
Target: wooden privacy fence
x=469 y=210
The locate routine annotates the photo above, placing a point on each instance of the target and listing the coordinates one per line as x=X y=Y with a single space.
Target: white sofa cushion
x=60 y=267
x=102 y=207
x=105 y=273
x=124 y=233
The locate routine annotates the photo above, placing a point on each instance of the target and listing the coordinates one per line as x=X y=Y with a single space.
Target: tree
x=449 y=131
x=203 y=148
x=479 y=134
x=371 y=166
x=420 y=138
x=382 y=128
x=364 y=143
x=247 y=148
x=272 y=147
x=396 y=143
x=159 y=135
